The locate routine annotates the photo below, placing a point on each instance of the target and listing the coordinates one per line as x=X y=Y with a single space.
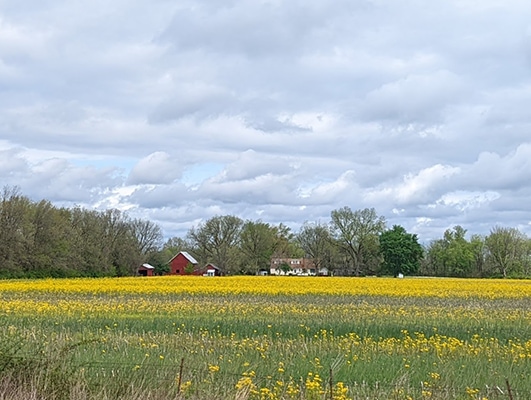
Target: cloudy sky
x=279 y=110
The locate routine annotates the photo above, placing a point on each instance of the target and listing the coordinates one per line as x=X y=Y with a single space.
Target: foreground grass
x=265 y=338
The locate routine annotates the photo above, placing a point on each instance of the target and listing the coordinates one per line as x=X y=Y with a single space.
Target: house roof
x=210 y=265
x=148 y=266
x=187 y=256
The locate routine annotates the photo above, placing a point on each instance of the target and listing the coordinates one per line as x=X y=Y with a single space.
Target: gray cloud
x=275 y=110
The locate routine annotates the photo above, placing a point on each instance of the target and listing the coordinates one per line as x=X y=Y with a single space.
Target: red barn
x=183 y=264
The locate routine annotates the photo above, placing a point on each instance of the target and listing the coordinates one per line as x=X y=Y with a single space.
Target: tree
x=508 y=251
x=479 y=250
x=317 y=243
x=108 y=243
x=15 y=231
x=174 y=245
x=189 y=269
x=147 y=234
x=123 y=250
x=39 y=240
x=401 y=251
x=217 y=241
x=284 y=267
x=286 y=244
x=49 y=251
x=258 y=241
x=452 y=255
x=357 y=235
x=90 y=238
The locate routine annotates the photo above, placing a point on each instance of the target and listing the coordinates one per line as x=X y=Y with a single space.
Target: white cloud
x=181 y=111
x=157 y=168
x=509 y=172
x=419 y=188
x=464 y=201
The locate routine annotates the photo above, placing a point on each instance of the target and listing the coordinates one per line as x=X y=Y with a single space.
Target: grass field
x=265 y=338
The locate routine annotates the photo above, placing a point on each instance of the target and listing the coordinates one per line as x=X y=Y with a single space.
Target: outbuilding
x=146 y=270
x=212 y=270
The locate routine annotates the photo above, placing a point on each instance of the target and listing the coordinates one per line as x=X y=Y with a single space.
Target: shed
x=146 y=270
x=212 y=270
x=183 y=264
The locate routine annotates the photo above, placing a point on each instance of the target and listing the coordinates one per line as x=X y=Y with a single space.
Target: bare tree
x=508 y=251
x=318 y=244
x=217 y=241
x=147 y=234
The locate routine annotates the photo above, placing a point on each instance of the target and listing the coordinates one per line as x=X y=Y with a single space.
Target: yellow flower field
x=409 y=287
x=271 y=337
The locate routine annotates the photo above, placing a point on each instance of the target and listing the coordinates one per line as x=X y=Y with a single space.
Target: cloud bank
x=274 y=110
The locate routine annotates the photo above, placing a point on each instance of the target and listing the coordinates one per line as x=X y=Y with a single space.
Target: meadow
x=265 y=338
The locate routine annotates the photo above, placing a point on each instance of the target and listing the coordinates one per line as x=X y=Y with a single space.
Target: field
x=265 y=338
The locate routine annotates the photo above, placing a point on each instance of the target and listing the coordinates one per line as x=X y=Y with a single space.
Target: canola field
x=270 y=337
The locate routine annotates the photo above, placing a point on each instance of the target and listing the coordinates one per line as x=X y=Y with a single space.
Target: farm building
x=146 y=270
x=183 y=264
x=211 y=270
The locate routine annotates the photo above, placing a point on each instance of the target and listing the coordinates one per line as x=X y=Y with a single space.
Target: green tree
x=258 y=241
x=92 y=243
x=49 y=251
x=123 y=251
x=401 y=251
x=189 y=269
x=284 y=267
x=39 y=240
x=453 y=255
x=16 y=231
x=357 y=234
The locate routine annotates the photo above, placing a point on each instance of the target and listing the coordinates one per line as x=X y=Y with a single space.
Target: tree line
x=38 y=239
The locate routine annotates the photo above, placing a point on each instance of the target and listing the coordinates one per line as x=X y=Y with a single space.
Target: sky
x=271 y=110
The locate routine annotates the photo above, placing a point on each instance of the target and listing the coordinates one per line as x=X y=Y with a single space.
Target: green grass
x=132 y=346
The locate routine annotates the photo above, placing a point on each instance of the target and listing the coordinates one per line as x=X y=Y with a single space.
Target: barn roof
x=187 y=256
x=148 y=266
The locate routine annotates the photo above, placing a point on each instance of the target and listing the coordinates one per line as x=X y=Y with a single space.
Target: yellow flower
x=213 y=368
